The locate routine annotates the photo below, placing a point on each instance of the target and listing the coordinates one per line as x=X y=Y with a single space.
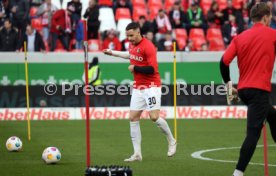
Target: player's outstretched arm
x=121 y=54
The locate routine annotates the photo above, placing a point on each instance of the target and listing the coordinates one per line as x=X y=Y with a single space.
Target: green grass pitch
x=110 y=144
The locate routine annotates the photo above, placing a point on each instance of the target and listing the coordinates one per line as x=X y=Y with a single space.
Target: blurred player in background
x=255 y=51
x=146 y=89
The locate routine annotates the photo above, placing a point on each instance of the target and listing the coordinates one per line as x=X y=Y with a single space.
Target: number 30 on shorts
x=152 y=101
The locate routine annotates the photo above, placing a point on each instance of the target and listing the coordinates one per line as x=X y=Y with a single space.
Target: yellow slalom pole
x=174 y=89
x=27 y=92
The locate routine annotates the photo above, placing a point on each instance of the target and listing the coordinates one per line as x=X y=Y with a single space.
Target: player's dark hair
x=259 y=10
x=133 y=25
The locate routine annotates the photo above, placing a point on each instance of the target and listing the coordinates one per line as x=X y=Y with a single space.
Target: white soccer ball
x=14 y=144
x=51 y=155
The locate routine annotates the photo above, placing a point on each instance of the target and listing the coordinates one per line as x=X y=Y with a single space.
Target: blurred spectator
x=230 y=30
x=36 y=3
x=166 y=44
x=2 y=13
x=273 y=21
x=195 y=17
x=177 y=16
x=94 y=73
x=232 y=11
x=162 y=25
x=74 y=7
x=150 y=37
x=46 y=11
x=122 y=4
x=204 y=47
x=269 y=3
x=214 y=16
x=33 y=39
x=251 y=3
x=190 y=46
x=19 y=14
x=79 y=34
x=125 y=45
x=60 y=29
x=6 y=6
x=112 y=42
x=245 y=15
x=92 y=14
x=8 y=37
x=144 y=25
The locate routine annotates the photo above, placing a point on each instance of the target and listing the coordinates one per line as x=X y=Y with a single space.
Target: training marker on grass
x=27 y=92
x=265 y=151
x=174 y=89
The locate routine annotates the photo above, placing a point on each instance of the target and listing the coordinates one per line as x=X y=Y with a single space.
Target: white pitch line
x=198 y=155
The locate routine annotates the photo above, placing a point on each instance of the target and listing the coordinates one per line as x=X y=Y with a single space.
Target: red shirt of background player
x=255 y=61
x=144 y=54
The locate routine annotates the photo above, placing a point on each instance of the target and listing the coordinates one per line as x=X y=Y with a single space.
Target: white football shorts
x=146 y=99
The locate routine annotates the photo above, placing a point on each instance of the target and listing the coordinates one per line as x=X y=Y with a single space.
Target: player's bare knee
x=154 y=115
x=154 y=118
x=134 y=115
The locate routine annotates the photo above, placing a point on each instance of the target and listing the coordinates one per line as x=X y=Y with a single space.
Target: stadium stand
x=117 y=18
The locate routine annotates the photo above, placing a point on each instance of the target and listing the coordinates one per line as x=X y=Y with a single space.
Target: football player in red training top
x=146 y=89
x=255 y=51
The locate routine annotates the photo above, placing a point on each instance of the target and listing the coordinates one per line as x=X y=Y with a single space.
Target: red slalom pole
x=265 y=151
x=85 y=44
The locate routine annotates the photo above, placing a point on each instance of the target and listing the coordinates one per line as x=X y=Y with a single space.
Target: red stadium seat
x=169 y=4
x=186 y=4
x=33 y=11
x=181 y=33
x=213 y=33
x=138 y=3
x=137 y=12
x=37 y=24
x=122 y=13
x=181 y=42
x=196 y=33
x=59 y=45
x=94 y=45
x=105 y=3
x=205 y=5
x=60 y=50
x=181 y=38
x=216 y=44
x=155 y=3
x=198 y=43
x=153 y=12
x=238 y=4
x=222 y=4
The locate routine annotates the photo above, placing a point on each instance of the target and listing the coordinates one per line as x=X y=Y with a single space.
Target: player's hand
x=232 y=93
x=107 y=52
x=131 y=68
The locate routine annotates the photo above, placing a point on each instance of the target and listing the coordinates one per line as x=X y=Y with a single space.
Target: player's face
x=133 y=36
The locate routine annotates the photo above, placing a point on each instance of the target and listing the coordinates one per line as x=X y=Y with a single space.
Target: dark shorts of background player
x=259 y=111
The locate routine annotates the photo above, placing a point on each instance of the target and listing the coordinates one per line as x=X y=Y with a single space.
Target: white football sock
x=164 y=127
x=237 y=173
x=135 y=134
